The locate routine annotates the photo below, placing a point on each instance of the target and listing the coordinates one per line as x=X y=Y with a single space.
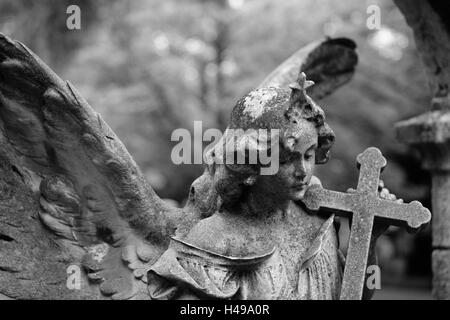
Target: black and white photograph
x=224 y=150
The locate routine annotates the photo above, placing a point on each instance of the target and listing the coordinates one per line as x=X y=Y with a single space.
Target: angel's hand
x=379 y=228
x=384 y=193
x=315 y=181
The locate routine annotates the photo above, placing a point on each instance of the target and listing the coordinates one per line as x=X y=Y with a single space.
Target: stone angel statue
x=71 y=195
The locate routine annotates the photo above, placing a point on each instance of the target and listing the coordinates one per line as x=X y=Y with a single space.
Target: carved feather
x=92 y=195
x=329 y=63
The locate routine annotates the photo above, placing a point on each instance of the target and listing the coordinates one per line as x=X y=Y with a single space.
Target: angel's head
x=303 y=140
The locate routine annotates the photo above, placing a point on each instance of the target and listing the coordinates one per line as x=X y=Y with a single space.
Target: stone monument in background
x=430 y=132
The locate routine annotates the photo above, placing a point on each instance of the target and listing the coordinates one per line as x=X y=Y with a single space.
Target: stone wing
x=70 y=193
x=329 y=62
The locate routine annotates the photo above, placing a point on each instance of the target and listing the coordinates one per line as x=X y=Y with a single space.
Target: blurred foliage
x=42 y=26
x=152 y=66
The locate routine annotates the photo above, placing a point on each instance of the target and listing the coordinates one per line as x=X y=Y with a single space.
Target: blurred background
x=152 y=66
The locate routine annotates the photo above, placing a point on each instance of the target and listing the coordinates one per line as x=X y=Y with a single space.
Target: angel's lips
x=299 y=186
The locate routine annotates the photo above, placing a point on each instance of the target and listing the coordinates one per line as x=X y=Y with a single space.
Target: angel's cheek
x=310 y=167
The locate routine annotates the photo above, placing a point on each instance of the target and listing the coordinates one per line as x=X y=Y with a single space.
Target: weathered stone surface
x=441 y=210
x=430 y=22
x=431 y=127
x=330 y=63
x=363 y=206
x=32 y=265
x=261 y=224
x=441 y=273
x=430 y=132
x=69 y=185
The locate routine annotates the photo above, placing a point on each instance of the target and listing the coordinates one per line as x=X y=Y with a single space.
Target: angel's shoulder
x=226 y=235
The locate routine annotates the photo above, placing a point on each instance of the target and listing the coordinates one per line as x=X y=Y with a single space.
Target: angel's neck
x=262 y=205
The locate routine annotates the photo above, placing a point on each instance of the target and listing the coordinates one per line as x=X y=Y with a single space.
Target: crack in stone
x=9 y=269
x=4 y=237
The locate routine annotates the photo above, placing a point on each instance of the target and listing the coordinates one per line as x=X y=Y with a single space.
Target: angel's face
x=297 y=162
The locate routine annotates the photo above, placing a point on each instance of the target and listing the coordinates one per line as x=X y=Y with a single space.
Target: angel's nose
x=300 y=171
x=300 y=176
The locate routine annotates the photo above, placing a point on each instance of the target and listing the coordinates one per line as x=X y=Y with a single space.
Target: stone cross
x=364 y=205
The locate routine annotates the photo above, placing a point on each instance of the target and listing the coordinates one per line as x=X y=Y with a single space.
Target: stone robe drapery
x=185 y=271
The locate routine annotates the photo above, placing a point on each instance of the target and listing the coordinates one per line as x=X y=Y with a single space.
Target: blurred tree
x=42 y=26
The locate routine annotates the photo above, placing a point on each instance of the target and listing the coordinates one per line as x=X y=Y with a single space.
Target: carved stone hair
x=276 y=108
x=269 y=108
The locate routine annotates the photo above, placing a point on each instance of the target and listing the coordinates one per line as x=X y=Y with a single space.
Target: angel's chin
x=297 y=195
